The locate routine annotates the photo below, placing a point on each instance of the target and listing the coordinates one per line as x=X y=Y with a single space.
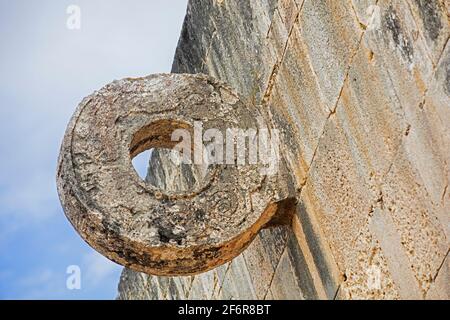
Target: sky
x=46 y=68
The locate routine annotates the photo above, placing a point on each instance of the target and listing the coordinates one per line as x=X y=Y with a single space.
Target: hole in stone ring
x=158 y=164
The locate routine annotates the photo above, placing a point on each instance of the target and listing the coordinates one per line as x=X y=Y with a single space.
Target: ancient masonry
x=360 y=91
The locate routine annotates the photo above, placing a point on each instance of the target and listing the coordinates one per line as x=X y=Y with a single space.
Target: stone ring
x=139 y=225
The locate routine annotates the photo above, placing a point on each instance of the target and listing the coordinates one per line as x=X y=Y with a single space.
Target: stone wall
x=360 y=91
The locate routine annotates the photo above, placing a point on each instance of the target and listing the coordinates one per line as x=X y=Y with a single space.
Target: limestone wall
x=360 y=91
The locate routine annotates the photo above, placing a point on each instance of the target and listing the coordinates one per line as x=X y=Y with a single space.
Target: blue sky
x=45 y=71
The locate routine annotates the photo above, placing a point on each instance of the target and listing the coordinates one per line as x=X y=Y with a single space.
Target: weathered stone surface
x=360 y=91
x=144 y=227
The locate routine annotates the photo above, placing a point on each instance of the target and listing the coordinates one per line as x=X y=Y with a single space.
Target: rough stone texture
x=360 y=91
x=151 y=229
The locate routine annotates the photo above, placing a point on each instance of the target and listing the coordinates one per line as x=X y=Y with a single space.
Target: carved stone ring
x=136 y=224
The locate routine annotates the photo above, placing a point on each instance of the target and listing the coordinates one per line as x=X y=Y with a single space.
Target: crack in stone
x=224 y=278
x=275 y=270
x=273 y=76
x=443 y=194
x=360 y=24
x=441 y=265
x=333 y=111
x=421 y=106
x=437 y=273
x=337 y=291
